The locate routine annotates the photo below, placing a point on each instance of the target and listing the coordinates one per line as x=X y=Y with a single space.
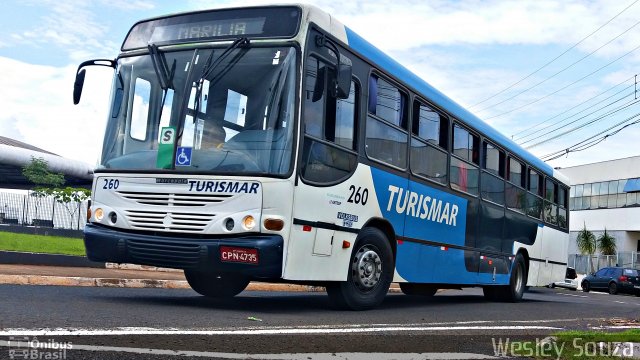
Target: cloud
x=38 y=110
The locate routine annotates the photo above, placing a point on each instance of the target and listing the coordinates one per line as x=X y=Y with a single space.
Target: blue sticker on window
x=183 y=156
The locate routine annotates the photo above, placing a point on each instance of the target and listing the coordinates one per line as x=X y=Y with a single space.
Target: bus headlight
x=248 y=222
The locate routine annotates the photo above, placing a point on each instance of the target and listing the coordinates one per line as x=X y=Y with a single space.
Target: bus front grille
x=165 y=254
x=168 y=221
x=173 y=199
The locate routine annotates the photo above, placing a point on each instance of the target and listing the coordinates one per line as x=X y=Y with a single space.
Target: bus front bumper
x=199 y=254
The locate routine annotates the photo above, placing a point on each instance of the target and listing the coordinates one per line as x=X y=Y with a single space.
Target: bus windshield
x=203 y=110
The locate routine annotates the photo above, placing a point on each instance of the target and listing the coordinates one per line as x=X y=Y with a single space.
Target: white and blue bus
x=273 y=143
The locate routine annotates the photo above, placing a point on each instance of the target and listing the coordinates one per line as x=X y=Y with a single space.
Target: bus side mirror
x=343 y=81
x=77 y=86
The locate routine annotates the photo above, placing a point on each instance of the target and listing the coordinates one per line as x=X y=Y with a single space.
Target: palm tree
x=607 y=244
x=586 y=243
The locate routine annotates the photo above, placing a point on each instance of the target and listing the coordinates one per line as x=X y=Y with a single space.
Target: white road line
x=286 y=356
x=261 y=331
x=581 y=296
x=619 y=302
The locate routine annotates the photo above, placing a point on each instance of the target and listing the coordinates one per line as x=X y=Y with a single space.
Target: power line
x=576 y=120
x=566 y=111
x=591 y=141
x=564 y=87
x=585 y=124
x=556 y=58
x=561 y=71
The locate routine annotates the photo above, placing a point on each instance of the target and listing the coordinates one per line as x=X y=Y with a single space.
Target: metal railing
x=585 y=264
x=29 y=210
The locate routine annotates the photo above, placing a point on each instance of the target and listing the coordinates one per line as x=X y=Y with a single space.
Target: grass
x=41 y=244
x=582 y=345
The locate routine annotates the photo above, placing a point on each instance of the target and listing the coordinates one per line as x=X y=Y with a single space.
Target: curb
x=146 y=283
x=27 y=258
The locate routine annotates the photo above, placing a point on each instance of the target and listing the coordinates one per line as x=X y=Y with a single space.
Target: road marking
x=259 y=331
x=619 y=302
x=285 y=356
x=574 y=295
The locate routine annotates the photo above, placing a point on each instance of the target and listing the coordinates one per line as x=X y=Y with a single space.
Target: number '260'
x=358 y=196
x=110 y=184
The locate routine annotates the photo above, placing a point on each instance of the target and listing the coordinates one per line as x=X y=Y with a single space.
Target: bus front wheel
x=216 y=285
x=370 y=273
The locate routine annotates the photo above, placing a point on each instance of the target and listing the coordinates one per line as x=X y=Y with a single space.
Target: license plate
x=240 y=255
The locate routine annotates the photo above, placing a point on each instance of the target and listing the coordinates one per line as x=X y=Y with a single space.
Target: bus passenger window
x=465 y=144
x=387 y=102
x=494 y=160
x=516 y=172
x=464 y=177
x=429 y=143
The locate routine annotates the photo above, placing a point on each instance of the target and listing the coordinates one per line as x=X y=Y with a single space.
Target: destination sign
x=208 y=29
x=253 y=23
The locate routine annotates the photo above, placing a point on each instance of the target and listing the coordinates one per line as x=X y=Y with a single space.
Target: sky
x=537 y=70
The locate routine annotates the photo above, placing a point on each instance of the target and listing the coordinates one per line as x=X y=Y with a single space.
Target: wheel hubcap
x=366 y=268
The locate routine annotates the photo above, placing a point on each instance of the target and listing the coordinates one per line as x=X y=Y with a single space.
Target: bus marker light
x=346 y=244
x=306 y=228
x=273 y=224
x=248 y=222
x=99 y=214
x=490 y=262
x=400 y=242
x=444 y=248
x=88 y=213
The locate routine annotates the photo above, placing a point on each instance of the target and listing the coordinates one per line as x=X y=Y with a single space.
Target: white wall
x=603 y=171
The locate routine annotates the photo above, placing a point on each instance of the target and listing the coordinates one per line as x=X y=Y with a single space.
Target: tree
x=37 y=171
x=586 y=243
x=607 y=243
x=50 y=184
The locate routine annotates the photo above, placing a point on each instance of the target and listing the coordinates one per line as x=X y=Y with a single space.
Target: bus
x=273 y=143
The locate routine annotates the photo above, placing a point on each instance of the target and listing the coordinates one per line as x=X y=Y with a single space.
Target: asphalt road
x=117 y=323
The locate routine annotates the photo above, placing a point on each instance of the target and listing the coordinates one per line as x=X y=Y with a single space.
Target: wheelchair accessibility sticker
x=183 y=156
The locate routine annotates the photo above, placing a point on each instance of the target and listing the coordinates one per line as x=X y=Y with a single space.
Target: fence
x=28 y=210
x=624 y=258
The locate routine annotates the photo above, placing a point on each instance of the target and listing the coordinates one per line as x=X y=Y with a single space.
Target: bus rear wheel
x=418 y=289
x=517 y=283
x=370 y=273
x=216 y=285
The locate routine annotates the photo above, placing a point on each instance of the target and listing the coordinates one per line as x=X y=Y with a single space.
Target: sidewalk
x=74 y=276
x=122 y=278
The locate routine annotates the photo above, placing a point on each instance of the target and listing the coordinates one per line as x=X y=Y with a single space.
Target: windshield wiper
x=161 y=68
x=210 y=66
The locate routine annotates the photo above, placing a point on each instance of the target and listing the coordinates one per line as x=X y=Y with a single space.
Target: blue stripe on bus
x=383 y=61
x=435 y=216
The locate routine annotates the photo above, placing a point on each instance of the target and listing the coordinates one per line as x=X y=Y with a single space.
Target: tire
x=214 y=285
x=418 y=289
x=517 y=283
x=369 y=275
x=552 y=286
x=613 y=288
x=586 y=287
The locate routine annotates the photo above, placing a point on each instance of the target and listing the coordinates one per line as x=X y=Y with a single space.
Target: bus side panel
x=554 y=245
x=323 y=218
x=434 y=229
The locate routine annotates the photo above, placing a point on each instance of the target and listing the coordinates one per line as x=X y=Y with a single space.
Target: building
x=606 y=195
